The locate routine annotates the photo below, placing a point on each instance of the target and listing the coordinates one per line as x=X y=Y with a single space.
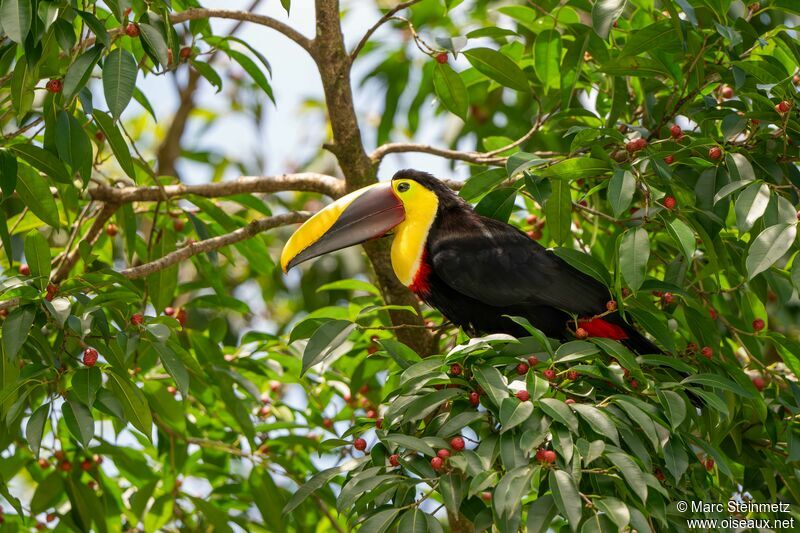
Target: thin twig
x=388 y=15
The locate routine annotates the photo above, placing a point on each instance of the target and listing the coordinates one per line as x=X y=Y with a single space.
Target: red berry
x=457 y=443
x=533 y=360
x=24 y=270
x=40 y=526
x=758 y=324
x=444 y=454
x=659 y=474
x=378 y=423
x=372 y=414
x=675 y=131
x=169 y=311
x=44 y=463
x=783 y=107
x=50 y=517
x=569 y=401
x=581 y=333
x=178 y=224
x=474 y=399
x=726 y=91
x=572 y=375
x=712 y=313
x=181 y=317
x=137 y=319
x=112 y=230
x=539 y=454
x=456 y=369
x=522 y=369
x=549 y=456
x=535 y=234
x=92 y=484
x=532 y=219
x=172 y=390
x=264 y=411
x=59 y=455
x=86 y=465
x=707 y=352
x=634 y=384
x=394 y=460
x=669 y=159
x=549 y=374
x=169 y=56
x=759 y=383
x=3 y=313
x=641 y=143
x=132 y=30
x=360 y=444
x=90 y=357
x=667 y=298
x=327 y=423
x=715 y=153
x=796 y=79
x=523 y=396
x=709 y=464
x=126 y=12
x=65 y=466
x=670 y=202
x=437 y=463
x=54 y=86
x=611 y=305
x=186 y=53
x=441 y=58
x=691 y=348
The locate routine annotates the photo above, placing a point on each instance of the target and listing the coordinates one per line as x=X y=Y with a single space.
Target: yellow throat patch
x=420 y=205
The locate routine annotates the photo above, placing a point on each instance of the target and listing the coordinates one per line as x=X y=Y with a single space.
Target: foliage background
x=237 y=407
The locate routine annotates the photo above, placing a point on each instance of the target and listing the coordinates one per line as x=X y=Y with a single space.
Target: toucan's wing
x=499 y=265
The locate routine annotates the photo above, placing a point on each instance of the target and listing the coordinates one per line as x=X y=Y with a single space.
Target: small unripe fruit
x=533 y=360
x=169 y=311
x=634 y=384
x=675 y=131
x=50 y=517
x=360 y=444
x=327 y=423
x=581 y=333
x=379 y=423
x=796 y=79
x=783 y=107
x=486 y=496
x=132 y=30
x=441 y=58
x=437 y=463
x=264 y=411
x=549 y=456
x=172 y=390
x=65 y=466
x=759 y=383
x=535 y=234
x=457 y=443
x=90 y=357
x=532 y=219
x=137 y=319
x=709 y=464
x=523 y=396
x=372 y=414
x=569 y=401
x=549 y=374
x=24 y=270
x=186 y=53
x=59 y=455
x=659 y=474
x=691 y=348
x=112 y=230
x=178 y=224
x=715 y=153
x=726 y=91
x=758 y=324
x=100 y=136
x=181 y=317
x=44 y=463
x=707 y=352
x=474 y=399
x=611 y=305
x=670 y=202
x=667 y=298
x=522 y=369
x=456 y=369
x=86 y=465
x=669 y=159
x=54 y=86
x=572 y=375
x=443 y=454
x=712 y=313
x=394 y=460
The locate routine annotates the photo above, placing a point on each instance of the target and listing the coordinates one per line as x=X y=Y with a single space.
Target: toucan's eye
x=403 y=187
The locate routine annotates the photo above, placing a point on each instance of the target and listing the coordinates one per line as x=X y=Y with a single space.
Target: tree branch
x=388 y=15
x=214 y=243
x=91 y=237
x=302 y=182
x=200 y=13
x=477 y=158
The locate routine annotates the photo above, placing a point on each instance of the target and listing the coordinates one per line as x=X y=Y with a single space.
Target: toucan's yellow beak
x=362 y=215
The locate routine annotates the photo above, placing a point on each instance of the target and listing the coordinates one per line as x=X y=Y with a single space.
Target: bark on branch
x=477 y=158
x=302 y=182
x=214 y=243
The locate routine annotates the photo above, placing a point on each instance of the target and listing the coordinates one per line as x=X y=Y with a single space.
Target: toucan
x=477 y=271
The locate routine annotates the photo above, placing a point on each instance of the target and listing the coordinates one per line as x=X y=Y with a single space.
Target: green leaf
x=85 y=384
x=653 y=37
x=576 y=168
x=512 y=487
x=730 y=188
x=717 y=382
x=163 y=283
x=413 y=521
x=380 y=521
x=80 y=71
x=770 y=245
x=631 y=472
x=79 y=421
x=15 y=18
x=674 y=406
x=174 y=366
x=634 y=251
x=620 y=353
x=133 y=403
x=455 y=424
x=514 y=412
x=482 y=183
x=604 y=14
x=43 y=160
x=318 y=481
x=621 y=187
x=252 y=69
x=585 y=263
x=492 y=382
x=450 y=90
x=118 y=146
x=560 y=412
x=48 y=493
x=74 y=146
x=208 y=73
x=97 y=27
x=15 y=330
x=541 y=514
x=751 y=205
x=324 y=341
x=428 y=403
x=558 y=211
x=35 y=428
x=119 y=80
x=8 y=173
x=498 y=67
x=566 y=496
x=156 y=41
x=411 y=443
x=683 y=236
x=547 y=59
x=598 y=420
x=614 y=509
x=37 y=254
x=351 y=285
x=498 y=204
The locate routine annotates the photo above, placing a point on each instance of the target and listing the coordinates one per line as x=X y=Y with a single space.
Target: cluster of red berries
x=676 y=132
x=636 y=145
x=51 y=290
x=535 y=232
x=545 y=456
